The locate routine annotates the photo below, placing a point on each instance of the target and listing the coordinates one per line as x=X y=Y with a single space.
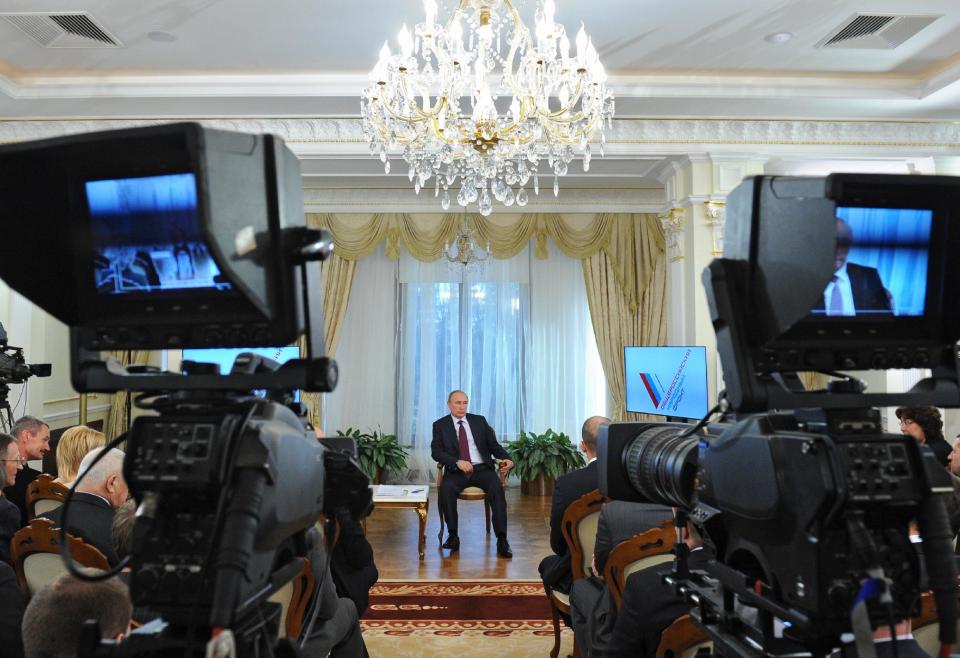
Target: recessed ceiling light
x=161 y=37
x=779 y=37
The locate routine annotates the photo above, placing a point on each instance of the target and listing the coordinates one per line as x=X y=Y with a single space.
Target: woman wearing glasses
x=9 y=513
x=926 y=426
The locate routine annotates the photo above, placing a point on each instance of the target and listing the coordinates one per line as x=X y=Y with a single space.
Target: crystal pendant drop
x=462 y=197
x=522 y=197
x=383 y=155
x=436 y=188
x=508 y=198
x=586 y=158
x=386 y=167
x=486 y=205
x=416 y=187
x=410 y=174
x=445 y=200
x=556 y=185
x=536 y=184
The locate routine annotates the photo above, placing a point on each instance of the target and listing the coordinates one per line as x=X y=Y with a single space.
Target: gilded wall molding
x=672 y=221
x=344 y=135
x=716 y=215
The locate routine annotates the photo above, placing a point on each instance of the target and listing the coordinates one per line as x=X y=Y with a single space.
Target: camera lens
x=662 y=465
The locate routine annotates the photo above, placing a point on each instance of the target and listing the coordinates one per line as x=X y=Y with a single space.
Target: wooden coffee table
x=410 y=496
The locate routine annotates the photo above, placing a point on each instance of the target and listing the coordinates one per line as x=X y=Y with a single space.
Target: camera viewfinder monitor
x=880 y=264
x=667 y=381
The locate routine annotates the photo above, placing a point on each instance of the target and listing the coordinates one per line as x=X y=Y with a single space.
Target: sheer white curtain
x=564 y=382
x=460 y=332
x=366 y=394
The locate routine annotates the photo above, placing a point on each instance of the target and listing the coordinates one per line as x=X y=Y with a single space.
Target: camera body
x=805 y=502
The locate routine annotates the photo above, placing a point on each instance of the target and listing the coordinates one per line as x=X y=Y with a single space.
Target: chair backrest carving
x=682 y=639
x=648 y=549
x=579 y=529
x=35 y=551
x=44 y=488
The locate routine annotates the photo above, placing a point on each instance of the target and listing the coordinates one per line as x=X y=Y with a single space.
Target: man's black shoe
x=453 y=543
x=503 y=548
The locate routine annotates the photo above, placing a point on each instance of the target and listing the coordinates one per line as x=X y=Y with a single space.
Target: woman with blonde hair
x=73 y=445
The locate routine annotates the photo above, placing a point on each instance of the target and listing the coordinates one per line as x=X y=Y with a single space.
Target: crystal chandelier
x=464 y=252
x=437 y=101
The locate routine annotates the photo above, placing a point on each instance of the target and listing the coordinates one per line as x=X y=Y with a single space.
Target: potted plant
x=539 y=459
x=379 y=453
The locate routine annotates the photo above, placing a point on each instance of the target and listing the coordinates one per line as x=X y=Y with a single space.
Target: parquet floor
x=393 y=535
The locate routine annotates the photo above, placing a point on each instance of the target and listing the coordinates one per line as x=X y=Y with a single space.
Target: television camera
x=14 y=369
x=179 y=236
x=803 y=498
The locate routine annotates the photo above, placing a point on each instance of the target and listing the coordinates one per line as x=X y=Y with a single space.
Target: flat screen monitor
x=668 y=381
x=225 y=356
x=881 y=262
x=146 y=236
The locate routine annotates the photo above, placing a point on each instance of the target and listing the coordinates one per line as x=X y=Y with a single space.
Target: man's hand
x=465 y=466
x=506 y=465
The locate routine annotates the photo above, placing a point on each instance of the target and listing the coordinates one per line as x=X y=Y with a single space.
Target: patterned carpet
x=444 y=618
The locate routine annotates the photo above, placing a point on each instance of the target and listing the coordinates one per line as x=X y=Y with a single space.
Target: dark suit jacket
x=569 y=487
x=16 y=493
x=445 y=447
x=620 y=521
x=941 y=449
x=90 y=519
x=648 y=607
x=12 y=605
x=9 y=524
x=867 y=287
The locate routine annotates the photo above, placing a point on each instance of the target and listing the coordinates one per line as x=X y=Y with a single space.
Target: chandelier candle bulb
x=556 y=103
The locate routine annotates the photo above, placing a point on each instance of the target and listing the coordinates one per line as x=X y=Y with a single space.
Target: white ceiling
x=309 y=58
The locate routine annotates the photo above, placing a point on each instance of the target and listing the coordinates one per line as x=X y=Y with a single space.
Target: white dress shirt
x=475 y=457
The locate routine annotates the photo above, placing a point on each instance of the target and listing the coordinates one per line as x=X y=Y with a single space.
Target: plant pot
x=378 y=477
x=542 y=485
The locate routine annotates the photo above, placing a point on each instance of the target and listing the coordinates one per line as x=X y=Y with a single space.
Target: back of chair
x=579 y=529
x=648 y=549
x=35 y=551
x=44 y=488
x=682 y=639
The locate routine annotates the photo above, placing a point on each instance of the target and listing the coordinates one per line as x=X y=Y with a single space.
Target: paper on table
x=389 y=490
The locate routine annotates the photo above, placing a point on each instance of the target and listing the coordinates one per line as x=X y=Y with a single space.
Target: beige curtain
x=627 y=297
x=622 y=255
x=117 y=416
x=336 y=276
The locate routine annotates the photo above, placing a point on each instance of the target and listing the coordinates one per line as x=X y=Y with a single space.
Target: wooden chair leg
x=555 y=615
x=576 y=648
x=486 y=508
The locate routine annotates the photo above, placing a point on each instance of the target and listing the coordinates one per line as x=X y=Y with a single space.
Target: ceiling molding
x=699 y=84
x=325 y=137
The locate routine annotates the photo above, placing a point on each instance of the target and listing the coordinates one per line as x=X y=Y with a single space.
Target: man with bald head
x=555 y=569
x=99 y=492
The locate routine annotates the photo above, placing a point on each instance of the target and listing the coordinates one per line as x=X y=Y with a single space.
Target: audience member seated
x=592 y=608
x=55 y=615
x=73 y=445
x=9 y=514
x=336 y=630
x=926 y=426
x=351 y=562
x=555 y=569
x=11 y=612
x=101 y=491
x=33 y=441
x=649 y=605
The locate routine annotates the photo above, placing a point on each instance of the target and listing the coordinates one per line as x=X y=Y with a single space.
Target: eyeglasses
x=907 y=421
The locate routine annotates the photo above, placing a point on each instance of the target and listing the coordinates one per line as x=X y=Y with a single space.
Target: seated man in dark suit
x=569 y=487
x=33 y=441
x=592 y=608
x=854 y=289
x=650 y=605
x=12 y=603
x=99 y=493
x=466 y=445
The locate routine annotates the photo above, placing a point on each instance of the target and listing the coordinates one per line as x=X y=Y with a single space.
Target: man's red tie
x=464 y=448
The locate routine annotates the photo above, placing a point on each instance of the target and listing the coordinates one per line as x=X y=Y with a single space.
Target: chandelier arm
x=423 y=114
x=397 y=115
x=577 y=93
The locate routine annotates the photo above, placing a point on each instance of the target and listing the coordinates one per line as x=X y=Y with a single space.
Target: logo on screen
x=652 y=389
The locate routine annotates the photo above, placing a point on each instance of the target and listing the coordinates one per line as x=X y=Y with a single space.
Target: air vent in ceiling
x=875 y=31
x=63 y=29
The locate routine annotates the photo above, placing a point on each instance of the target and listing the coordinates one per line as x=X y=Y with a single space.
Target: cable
x=703 y=422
